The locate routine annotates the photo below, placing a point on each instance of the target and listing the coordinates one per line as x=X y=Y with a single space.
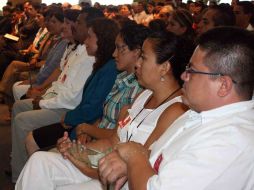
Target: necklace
x=164 y=101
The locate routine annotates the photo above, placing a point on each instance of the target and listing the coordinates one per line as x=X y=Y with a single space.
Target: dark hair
x=36 y=6
x=224 y=15
x=230 y=51
x=184 y=18
x=134 y=35
x=92 y=13
x=58 y=15
x=106 y=31
x=8 y=9
x=157 y=25
x=122 y=21
x=9 y=3
x=71 y=14
x=247 y=6
x=168 y=47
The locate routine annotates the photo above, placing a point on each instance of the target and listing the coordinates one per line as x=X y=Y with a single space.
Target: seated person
x=26 y=33
x=52 y=52
x=17 y=66
x=64 y=94
x=126 y=87
x=210 y=146
x=159 y=71
x=215 y=16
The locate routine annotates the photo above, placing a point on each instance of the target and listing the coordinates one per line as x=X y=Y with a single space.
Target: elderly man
x=211 y=146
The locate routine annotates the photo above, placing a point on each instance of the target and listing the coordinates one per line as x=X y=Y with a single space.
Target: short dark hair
x=224 y=15
x=247 y=6
x=8 y=9
x=92 y=13
x=134 y=35
x=106 y=31
x=230 y=51
x=168 y=47
x=157 y=25
x=58 y=14
x=71 y=14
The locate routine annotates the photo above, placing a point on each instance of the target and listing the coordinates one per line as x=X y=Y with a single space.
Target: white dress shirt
x=210 y=150
x=67 y=91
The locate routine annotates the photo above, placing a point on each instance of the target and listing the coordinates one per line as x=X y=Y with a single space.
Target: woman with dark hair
x=161 y=51
x=159 y=71
x=157 y=25
x=180 y=22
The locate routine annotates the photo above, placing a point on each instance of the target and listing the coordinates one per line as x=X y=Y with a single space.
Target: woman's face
x=147 y=70
x=55 y=26
x=91 y=42
x=175 y=27
x=124 y=11
x=125 y=58
x=67 y=28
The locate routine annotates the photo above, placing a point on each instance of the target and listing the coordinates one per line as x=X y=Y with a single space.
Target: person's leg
x=48 y=170
x=10 y=75
x=44 y=137
x=19 y=90
x=31 y=145
x=24 y=121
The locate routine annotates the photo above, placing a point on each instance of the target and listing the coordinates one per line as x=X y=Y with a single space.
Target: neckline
x=165 y=100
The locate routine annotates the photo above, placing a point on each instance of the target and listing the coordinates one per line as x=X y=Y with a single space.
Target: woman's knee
x=30 y=143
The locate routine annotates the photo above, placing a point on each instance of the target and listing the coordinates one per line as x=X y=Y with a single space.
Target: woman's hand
x=82 y=137
x=63 y=145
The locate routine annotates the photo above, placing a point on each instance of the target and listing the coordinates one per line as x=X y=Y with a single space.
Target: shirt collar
x=222 y=111
x=125 y=79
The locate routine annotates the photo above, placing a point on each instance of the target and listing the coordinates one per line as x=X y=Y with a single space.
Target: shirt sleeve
x=52 y=62
x=69 y=96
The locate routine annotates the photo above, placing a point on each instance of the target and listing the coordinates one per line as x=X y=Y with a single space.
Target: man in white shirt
x=211 y=146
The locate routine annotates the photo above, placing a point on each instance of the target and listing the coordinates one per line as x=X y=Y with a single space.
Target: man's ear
x=225 y=86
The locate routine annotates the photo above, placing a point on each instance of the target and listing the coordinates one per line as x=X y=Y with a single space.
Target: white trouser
x=19 y=90
x=50 y=171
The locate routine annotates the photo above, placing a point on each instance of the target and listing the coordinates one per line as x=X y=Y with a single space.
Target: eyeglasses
x=190 y=70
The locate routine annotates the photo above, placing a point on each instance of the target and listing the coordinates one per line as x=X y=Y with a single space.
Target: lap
x=64 y=172
x=30 y=119
x=47 y=136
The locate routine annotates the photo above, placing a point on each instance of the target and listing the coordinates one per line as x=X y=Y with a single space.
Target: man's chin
x=185 y=100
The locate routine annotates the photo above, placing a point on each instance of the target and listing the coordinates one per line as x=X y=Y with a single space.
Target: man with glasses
x=210 y=146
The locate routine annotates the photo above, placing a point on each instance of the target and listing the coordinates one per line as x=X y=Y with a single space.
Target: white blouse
x=141 y=122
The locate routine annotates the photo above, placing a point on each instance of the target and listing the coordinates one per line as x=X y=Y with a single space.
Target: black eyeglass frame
x=190 y=70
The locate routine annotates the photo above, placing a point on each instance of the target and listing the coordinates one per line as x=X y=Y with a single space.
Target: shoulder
x=109 y=68
x=172 y=112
